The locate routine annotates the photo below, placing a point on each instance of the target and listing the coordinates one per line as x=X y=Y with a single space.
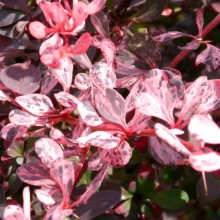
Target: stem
x=205 y=31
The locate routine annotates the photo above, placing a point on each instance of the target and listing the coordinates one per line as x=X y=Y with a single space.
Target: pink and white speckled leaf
x=35 y=173
x=14 y=212
x=205 y=160
x=100 y=139
x=119 y=156
x=89 y=114
x=111 y=106
x=44 y=197
x=204 y=129
x=103 y=75
x=66 y=99
x=37 y=104
x=199 y=21
x=95 y=6
x=48 y=150
x=168 y=137
x=108 y=50
x=95 y=161
x=12 y=131
x=63 y=172
x=82 y=81
x=64 y=74
x=19 y=117
x=48 y=83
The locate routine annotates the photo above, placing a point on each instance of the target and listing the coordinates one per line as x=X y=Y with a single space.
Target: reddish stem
x=175 y=62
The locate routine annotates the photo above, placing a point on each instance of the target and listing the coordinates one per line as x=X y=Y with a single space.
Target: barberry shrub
x=109 y=109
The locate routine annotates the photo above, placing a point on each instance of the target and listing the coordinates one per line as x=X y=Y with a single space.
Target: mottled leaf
x=95 y=6
x=95 y=161
x=14 y=212
x=108 y=50
x=82 y=81
x=66 y=99
x=199 y=21
x=44 y=197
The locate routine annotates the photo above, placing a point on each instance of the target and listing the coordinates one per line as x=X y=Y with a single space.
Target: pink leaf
x=108 y=50
x=65 y=74
x=199 y=21
x=14 y=212
x=111 y=106
x=48 y=150
x=170 y=36
x=205 y=160
x=119 y=156
x=66 y=99
x=48 y=83
x=204 y=129
x=95 y=6
x=35 y=173
x=210 y=57
x=4 y=96
x=81 y=45
x=37 y=104
x=12 y=131
x=19 y=117
x=95 y=161
x=89 y=114
x=100 y=139
x=82 y=81
x=27 y=202
x=63 y=172
x=39 y=30
x=44 y=197
x=103 y=75
x=192 y=45
x=168 y=137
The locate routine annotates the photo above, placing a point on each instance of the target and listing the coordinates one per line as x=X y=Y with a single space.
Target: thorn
x=205 y=183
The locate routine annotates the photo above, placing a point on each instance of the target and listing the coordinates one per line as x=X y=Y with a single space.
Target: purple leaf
x=119 y=156
x=103 y=75
x=63 y=172
x=22 y=78
x=163 y=153
x=89 y=114
x=205 y=160
x=210 y=57
x=48 y=150
x=12 y=131
x=100 y=139
x=204 y=129
x=19 y=117
x=35 y=173
x=14 y=212
x=111 y=106
x=168 y=137
x=37 y=104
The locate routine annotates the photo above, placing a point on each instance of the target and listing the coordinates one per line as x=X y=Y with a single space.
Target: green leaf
x=150 y=10
x=170 y=199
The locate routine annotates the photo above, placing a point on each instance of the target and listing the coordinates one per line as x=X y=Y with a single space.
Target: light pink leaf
x=19 y=117
x=65 y=74
x=205 y=160
x=66 y=99
x=119 y=156
x=164 y=37
x=89 y=114
x=82 y=81
x=111 y=106
x=100 y=139
x=204 y=129
x=39 y=30
x=12 y=131
x=82 y=60
x=199 y=21
x=37 y=104
x=168 y=137
x=63 y=172
x=48 y=150
x=100 y=22
x=210 y=57
x=108 y=50
x=192 y=45
x=48 y=83
x=35 y=173
x=4 y=96
x=95 y=161
x=81 y=45
x=44 y=197
x=14 y=212
x=103 y=75
x=27 y=202
x=163 y=153
x=94 y=185
x=95 y=6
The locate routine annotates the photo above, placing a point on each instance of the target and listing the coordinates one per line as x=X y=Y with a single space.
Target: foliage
x=109 y=109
